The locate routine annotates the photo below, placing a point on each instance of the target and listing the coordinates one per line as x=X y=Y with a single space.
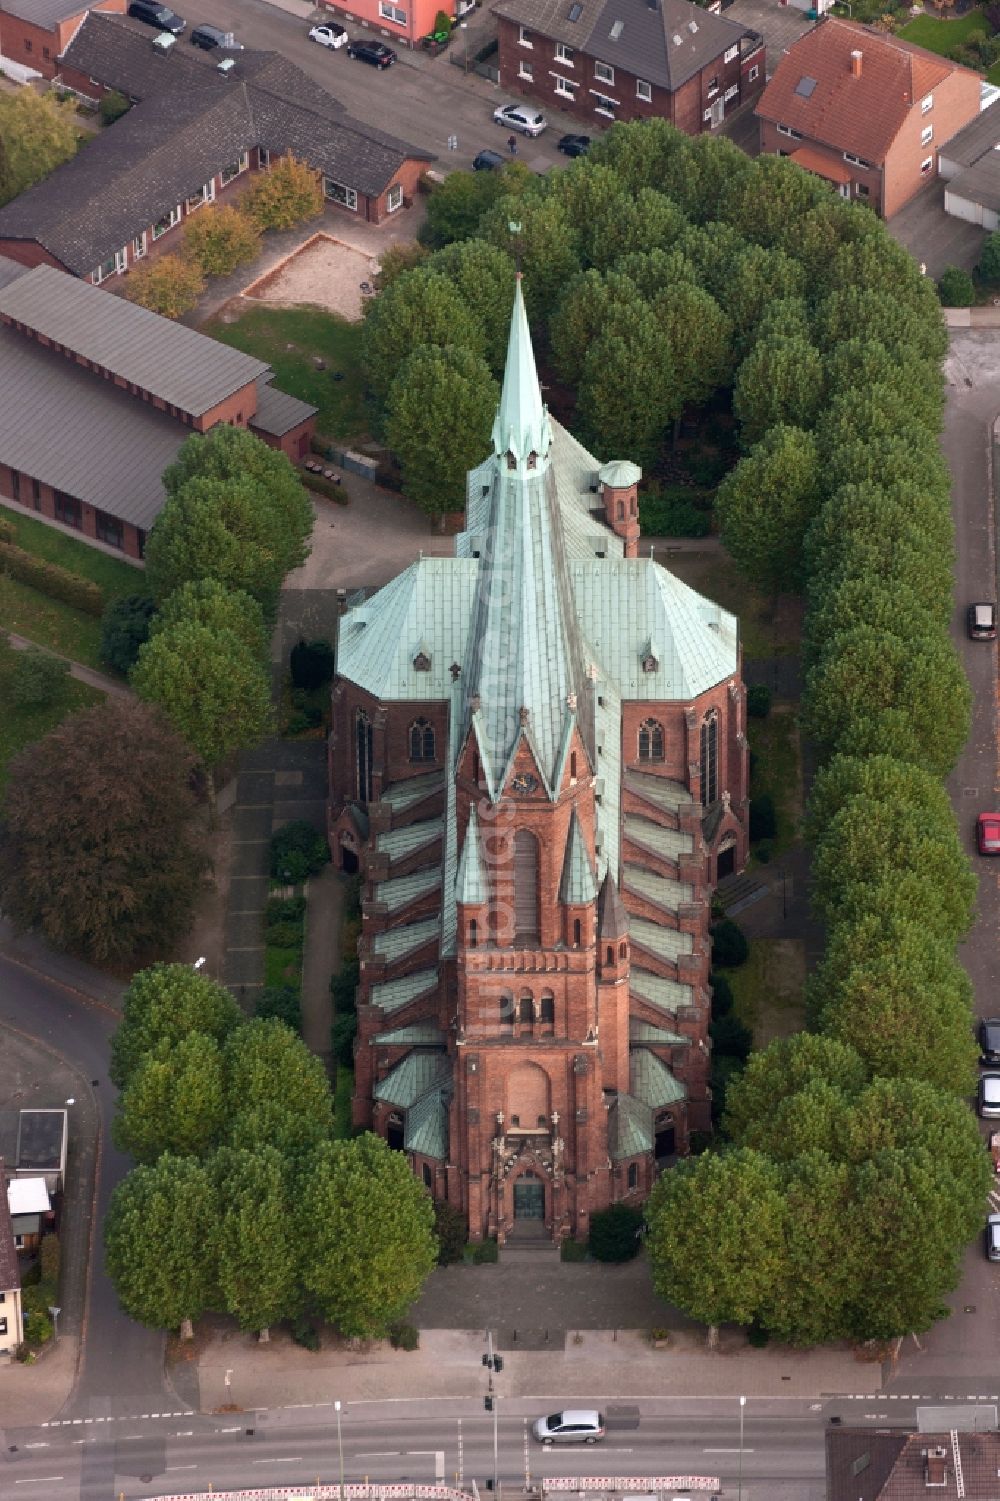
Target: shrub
x=486 y=1253
x=282 y=1003
x=49 y=578
x=700 y=1141
x=8 y=531
x=297 y=851
x=730 y=1038
x=729 y=945
x=37 y=1328
x=112 y=107
x=759 y=701
x=764 y=850
x=722 y=996
x=673 y=512
x=332 y=489
x=39 y=679
x=404 y=1336
x=169 y=286
x=955 y=288
x=344 y=985
x=124 y=629
x=286 y=935
x=763 y=819
x=449 y=1227
x=573 y=1250
x=989 y=256
x=287 y=194
x=220 y=238
x=312 y=664
x=281 y=909
x=49 y=1258
x=303 y=1331
x=342 y=1035
x=614 y=1233
x=757 y=1336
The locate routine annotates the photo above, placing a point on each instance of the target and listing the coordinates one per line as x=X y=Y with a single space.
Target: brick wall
x=954 y=103
x=24 y=492
x=38 y=47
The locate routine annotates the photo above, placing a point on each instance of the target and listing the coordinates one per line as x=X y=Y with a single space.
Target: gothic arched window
x=525 y=887
x=623 y=951
x=363 y=755
x=547 y=1009
x=526 y=1009
x=633 y=1175
x=651 y=740
x=421 y=740
x=710 y=758
x=577 y=932
x=473 y=933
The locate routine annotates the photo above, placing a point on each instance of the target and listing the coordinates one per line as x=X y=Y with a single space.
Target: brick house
x=538 y=761
x=403 y=22
x=192 y=134
x=604 y=60
x=865 y=111
x=33 y=33
x=99 y=394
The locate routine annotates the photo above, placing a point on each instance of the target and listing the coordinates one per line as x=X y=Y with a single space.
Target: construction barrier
x=405 y=1492
x=644 y=1483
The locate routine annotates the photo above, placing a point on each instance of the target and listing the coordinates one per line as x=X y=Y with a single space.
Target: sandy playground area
x=324 y=271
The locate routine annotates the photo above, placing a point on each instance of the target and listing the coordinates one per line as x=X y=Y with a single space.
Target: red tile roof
x=814 y=160
x=857 y=114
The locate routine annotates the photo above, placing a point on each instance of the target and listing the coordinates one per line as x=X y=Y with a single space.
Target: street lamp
x=464 y=26
x=493 y=1363
x=340 y=1449
x=743 y=1403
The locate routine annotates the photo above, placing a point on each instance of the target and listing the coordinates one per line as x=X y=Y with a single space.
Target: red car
x=988 y=833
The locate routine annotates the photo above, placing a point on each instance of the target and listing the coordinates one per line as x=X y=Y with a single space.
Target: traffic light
x=488 y=1403
x=486 y=1360
x=498 y=1363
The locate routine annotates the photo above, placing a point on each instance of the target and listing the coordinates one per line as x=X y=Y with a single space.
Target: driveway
x=932 y=237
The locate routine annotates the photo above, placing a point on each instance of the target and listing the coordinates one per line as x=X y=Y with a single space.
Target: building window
x=633 y=1176
x=643 y=91
x=36 y=494
x=604 y=106
x=3 y=1326
x=856 y=161
x=46 y=52
x=338 y=193
x=651 y=740
x=139 y=246
x=927 y=135
x=524 y=36
x=526 y=1010
x=507 y=1018
x=564 y=86
x=786 y=130
x=564 y=54
x=577 y=932
x=709 y=759
x=428 y=1176
x=27 y=45
x=167 y=222
x=862 y=189
x=754 y=74
x=263 y=156
x=15 y=484
x=707 y=117
x=228 y=173
x=392 y=12
x=204 y=194
x=713 y=86
x=113 y=266
x=623 y=951
x=421 y=740
x=394 y=198
x=604 y=73
x=731 y=92
x=926 y=165
x=730 y=55
x=547 y=1010
x=572 y=766
x=525 y=70
x=109 y=529
x=926 y=103
x=473 y=933
x=68 y=510
x=525 y=887
x=363 y=755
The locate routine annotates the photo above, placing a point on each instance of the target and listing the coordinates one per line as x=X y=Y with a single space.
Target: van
x=210 y=37
x=573 y=1426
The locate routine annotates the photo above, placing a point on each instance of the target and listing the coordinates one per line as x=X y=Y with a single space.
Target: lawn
x=290 y=340
x=768 y=628
x=21 y=727
x=50 y=622
x=768 y=991
x=110 y=574
x=283 y=967
x=774 y=745
x=941 y=36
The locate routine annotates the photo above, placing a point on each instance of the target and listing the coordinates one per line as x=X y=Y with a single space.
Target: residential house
x=866 y=111
x=99 y=396
x=11 y=1325
x=402 y=22
x=896 y=1464
x=33 y=33
x=538 y=761
x=197 y=127
x=30 y=1211
x=604 y=60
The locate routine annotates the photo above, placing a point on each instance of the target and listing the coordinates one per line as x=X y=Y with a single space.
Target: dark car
x=989 y=1040
x=210 y=37
x=991 y=1236
x=376 y=53
x=154 y=14
x=982 y=622
x=574 y=145
x=488 y=161
x=988 y=833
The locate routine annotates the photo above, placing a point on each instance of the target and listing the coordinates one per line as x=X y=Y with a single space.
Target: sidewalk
x=76 y=669
x=324 y=914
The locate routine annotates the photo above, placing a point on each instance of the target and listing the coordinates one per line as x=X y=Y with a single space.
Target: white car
x=330 y=34
x=520 y=117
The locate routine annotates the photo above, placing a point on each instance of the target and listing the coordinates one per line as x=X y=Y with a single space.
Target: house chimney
x=936 y=1468
x=856 y=57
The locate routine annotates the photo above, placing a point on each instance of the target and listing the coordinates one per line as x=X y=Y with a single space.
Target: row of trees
x=243 y=1202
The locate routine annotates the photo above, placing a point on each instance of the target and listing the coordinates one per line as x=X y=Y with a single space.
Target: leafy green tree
x=859 y=597
x=484 y=275
x=170 y=285
x=212 y=689
x=868 y=415
x=288 y=193
x=714 y=249
x=779 y=382
x=785 y=318
x=124 y=627
x=96 y=847
x=765 y=506
x=258 y=1236
x=756 y=277
x=206 y=602
x=655 y=270
x=112 y=106
x=869 y=690
x=883 y=779
x=221 y=238
x=39 y=680
x=277 y=1093
x=658 y=154
x=761 y=203
x=863 y=528
x=456 y=206
x=717 y=1236
x=779 y=1073
x=421 y=307
x=37 y=134
x=282 y=1003
x=906 y=331
x=160 y=1238
x=989 y=257
x=298 y=850
x=162 y=1006
x=876 y=262
x=823 y=1261
x=628 y=391
x=173 y=1101
x=439 y=413
x=956 y=287
x=614 y=220
x=903 y=463
x=547 y=245
x=699 y=335
x=863 y=362
x=616 y=1233
x=719 y=165
x=367 y=1229
x=590 y=304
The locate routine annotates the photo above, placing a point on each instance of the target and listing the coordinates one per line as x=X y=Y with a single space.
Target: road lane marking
x=727 y=1451
x=180 y=1467
x=286 y=1459
x=378 y=1454
x=42 y=1480
x=36 y=1446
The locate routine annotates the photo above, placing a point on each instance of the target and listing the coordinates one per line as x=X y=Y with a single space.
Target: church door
x=726 y=863
x=529 y=1199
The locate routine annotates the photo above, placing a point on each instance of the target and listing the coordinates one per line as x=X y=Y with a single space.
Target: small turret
x=612 y=933
x=619 y=491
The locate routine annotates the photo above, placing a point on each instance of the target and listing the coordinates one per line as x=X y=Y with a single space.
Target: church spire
x=521 y=426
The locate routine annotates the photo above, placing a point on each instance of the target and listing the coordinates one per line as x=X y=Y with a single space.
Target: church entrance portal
x=529 y=1199
x=726 y=863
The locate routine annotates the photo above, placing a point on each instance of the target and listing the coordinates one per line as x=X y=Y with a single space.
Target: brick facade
x=30 y=494
x=39 y=47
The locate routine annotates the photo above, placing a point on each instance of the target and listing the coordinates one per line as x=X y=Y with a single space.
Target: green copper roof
x=396 y=943
x=521 y=425
x=413 y=836
x=413 y=1077
x=471 y=884
x=404 y=794
x=419 y=1035
x=668 y=843
x=665 y=943
x=426 y=1128
x=652 y=1081
x=392 y=994
x=431 y=603
x=402 y=890
x=630 y=1128
x=666 y=995
x=645 y=1032
x=662 y=791
x=659 y=889
x=578 y=886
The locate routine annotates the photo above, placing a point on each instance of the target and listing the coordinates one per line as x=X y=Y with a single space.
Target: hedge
x=49 y=578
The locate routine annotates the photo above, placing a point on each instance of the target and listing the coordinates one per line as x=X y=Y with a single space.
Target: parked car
x=160 y=16
x=574 y=145
x=575 y=1425
x=330 y=34
x=488 y=161
x=991 y=1236
x=520 y=117
x=376 y=53
x=209 y=37
x=988 y=833
x=982 y=621
x=989 y=1040
x=989 y=1096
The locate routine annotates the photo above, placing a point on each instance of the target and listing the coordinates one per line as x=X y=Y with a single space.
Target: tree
x=112 y=106
x=876 y=262
x=863 y=361
x=547 y=244
x=989 y=257
x=956 y=287
x=173 y=1101
x=778 y=1073
x=883 y=779
x=906 y=331
x=96 y=848
x=288 y=193
x=281 y=1002
x=869 y=415
x=484 y=275
x=590 y=304
x=628 y=391
x=421 y=307
x=456 y=206
x=298 y=850
x=895 y=533
x=395 y=259
x=212 y=689
x=37 y=134
x=162 y=1006
x=779 y=382
x=616 y=1233
x=823 y=1260
x=761 y=203
x=220 y=238
x=277 y=1093
x=699 y=335
x=860 y=597
x=124 y=627
x=765 y=506
x=170 y=285
x=439 y=412
x=659 y=154
x=714 y=249
x=40 y=679
x=208 y=603
x=258 y=1236
x=614 y=220
x=904 y=464
x=160 y=1241
x=367 y=1234
x=755 y=278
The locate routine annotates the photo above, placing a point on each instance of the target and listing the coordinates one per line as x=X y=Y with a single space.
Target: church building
x=538 y=762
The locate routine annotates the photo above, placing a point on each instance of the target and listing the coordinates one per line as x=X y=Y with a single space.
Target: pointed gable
x=471 y=883
x=578 y=886
x=612 y=919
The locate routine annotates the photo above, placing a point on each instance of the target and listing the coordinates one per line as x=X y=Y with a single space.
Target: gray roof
x=44 y=13
x=277 y=412
x=10 y=271
x=185 y=368
x=974 y=140
x=664 y=43
x=979 y=184
x=10 y=1276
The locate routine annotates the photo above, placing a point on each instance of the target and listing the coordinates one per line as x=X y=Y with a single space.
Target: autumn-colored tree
x=37 y=134
x=169 y=285
x=220 y=238
x=288 y=193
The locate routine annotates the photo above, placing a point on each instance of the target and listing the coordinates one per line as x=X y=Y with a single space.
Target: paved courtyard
x=933 y=237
